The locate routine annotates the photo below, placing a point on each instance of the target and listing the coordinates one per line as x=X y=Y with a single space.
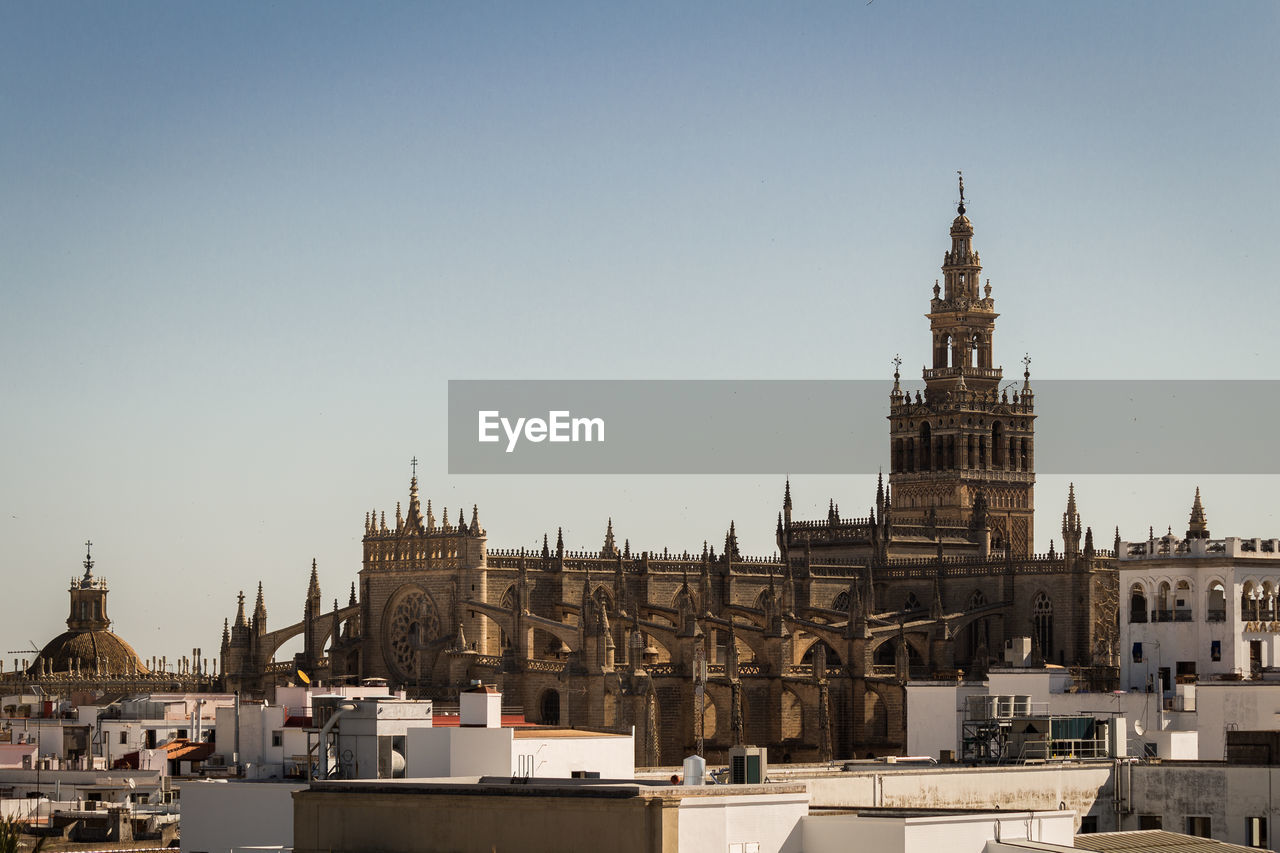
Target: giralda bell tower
x=966 y=444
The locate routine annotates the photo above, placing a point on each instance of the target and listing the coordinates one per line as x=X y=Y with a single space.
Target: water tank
x=1022 y=706
x=1004 y=706
x=695 y=770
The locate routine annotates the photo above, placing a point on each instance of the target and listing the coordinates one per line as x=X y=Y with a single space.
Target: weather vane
x=897 y=363
x=960 y=209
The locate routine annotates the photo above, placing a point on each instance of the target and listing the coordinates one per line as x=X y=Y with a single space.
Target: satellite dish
x=304 y=677
x=1138 y=728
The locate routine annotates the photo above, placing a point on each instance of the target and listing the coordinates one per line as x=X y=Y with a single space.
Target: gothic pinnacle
x=786 y=494
x=1198 y=528
x=610 y=548
x=313 y=588
x=352 y=601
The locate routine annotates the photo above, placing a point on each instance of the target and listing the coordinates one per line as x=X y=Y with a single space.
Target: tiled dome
x=60 y=654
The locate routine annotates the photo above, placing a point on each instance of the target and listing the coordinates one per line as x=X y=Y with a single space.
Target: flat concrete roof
x=534 y=787
x=570 y=733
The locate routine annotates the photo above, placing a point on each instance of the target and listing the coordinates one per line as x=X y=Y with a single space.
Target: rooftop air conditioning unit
x=748 y=765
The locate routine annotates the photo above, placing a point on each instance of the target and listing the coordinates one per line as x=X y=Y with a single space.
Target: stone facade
x=806 y=651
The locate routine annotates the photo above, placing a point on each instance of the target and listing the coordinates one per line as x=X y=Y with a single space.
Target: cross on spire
x=413 y=463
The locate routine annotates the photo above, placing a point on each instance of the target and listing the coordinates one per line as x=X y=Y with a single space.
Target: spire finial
x=960 y=208
x=88 y=557
x=413 y=465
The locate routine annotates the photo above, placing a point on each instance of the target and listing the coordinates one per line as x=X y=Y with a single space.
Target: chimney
x=480 y=707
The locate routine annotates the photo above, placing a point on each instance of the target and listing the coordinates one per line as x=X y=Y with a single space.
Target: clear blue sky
x=244 y=246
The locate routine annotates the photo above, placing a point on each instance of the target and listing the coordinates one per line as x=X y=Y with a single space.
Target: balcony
x=1161 y=615
x=1182 y=616
x=1216 y=615
x=1136 y=616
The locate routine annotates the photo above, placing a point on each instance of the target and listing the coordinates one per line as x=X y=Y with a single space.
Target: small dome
x=962 y=223
x=88 y=646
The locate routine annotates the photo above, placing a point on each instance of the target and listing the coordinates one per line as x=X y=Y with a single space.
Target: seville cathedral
x=806 y=652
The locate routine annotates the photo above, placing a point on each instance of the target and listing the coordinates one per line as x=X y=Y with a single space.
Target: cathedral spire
x=731 y=543
x=259 y=608
x=240 y=620
x=351 y=602
x=610 y=548
x=313 y=588
x=1071 y=524
x=1198 y=528
x=414 y=518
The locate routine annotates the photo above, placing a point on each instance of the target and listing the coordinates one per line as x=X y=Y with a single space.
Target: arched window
x=979 y=630
x=1216 y=603
x=926 y=447
x=1042 y=623
x=1164 y=605
x=507 y=601
x=912 y=603
x=1182 y=602
x=841 y=602
x=1137 y=603
x=1249 y=602
x=997 y=445
x=1266 y=604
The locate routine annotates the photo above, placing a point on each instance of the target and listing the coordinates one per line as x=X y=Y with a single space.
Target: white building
x=1197 y=607
x=272 y=738
x=481 y=746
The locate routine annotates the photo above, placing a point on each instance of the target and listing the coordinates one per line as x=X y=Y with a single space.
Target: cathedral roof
x=60 y=653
